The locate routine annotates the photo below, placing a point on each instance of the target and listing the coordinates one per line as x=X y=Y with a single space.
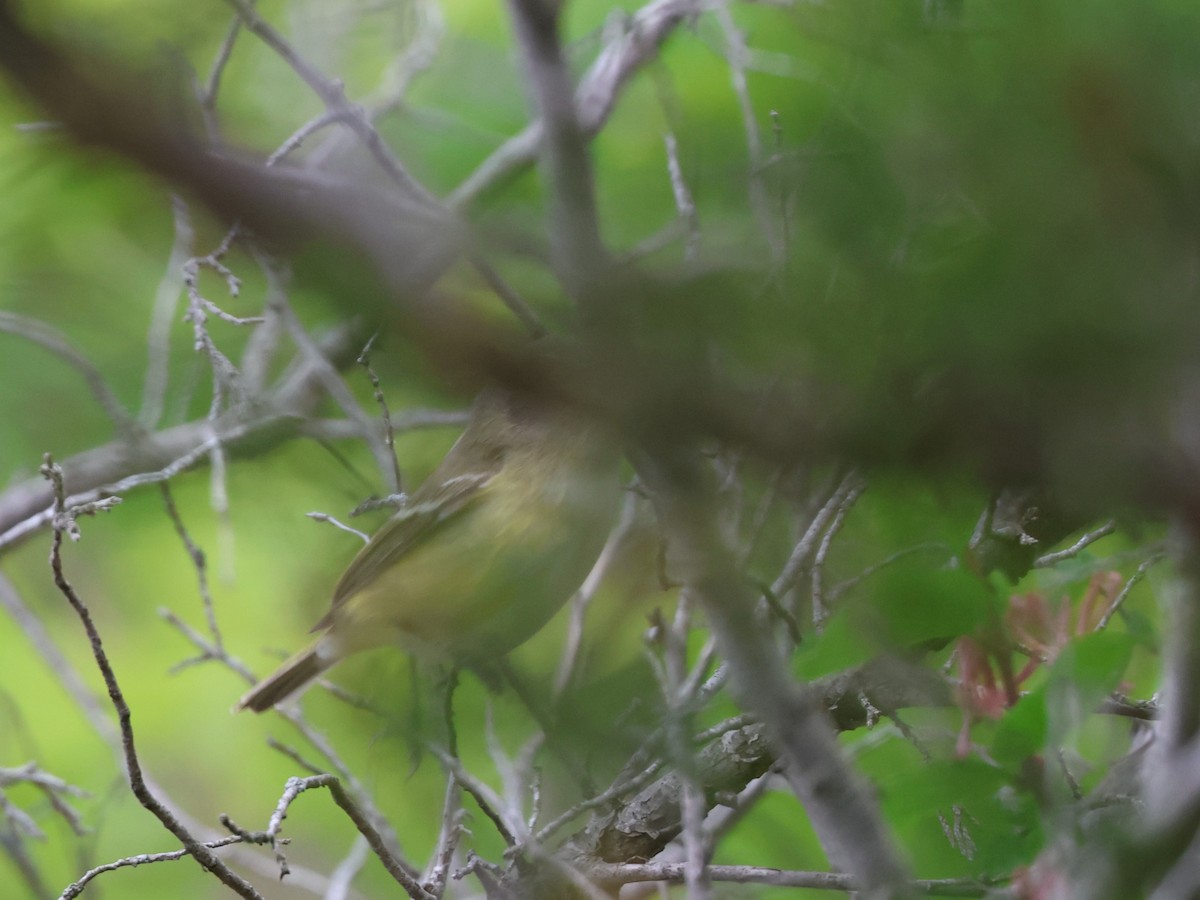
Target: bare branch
x=736 y=55
x=394 y=83
x=208 y=97
x=75 y=888
x=487 y=799
x=166 y=301
x=582 y=599
x=627 y=873
x=18 y=826
x=114 y=468
x=595 y=98
x=1137 y=576
x=850 y=583
x=50 y=339
x=304 y=132
x=344 y=873
x=819 y=609
x=514 y=301
x=296 y=786
x=389 y=432
x=330 y=378
x=450 y=833
x=848 y=824
x=1075 y=549
x=580 y=259
x=102 y=724
x=198 y=562
x=333 y=95
x=805 y=547
x=325 y=517
x=202 y=854
x=684 y=204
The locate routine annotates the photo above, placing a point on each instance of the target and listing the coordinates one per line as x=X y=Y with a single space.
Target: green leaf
x=1088 y=669
x=940 y=785
x=972 y=798
x=839 y=646
x=1022 y=731
x=911 y=603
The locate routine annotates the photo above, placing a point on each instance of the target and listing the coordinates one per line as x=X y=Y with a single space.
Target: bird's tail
x=286 y=680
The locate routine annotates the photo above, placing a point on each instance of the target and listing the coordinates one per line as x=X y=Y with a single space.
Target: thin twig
x=284 y=412
x=75 y=888
x=628 y=873
x=983 y=527
x=344 y=872
x=314 y=737
x=577 y=250
x=350 y=785
x=328 y=374
x=800 y=554
x=304 y=132
x=208 y=650
x=100 y=722
x=325 y=517
x=198 y=561
x=785 y=227
x=845 y=816
x=166 y=301
x=12 y=843
x=515 y=773
x=202 y=854
x=449 y=834
x=389 y=432
x=56 y=343
x=1075 y=549
x=819 y=609
x=693 y=805
x=583 y=597
x=296 y=786
x=208 y=99
x=736 y=55
x=1119 y=601
x=617 y=789
x=508 y=294
x=684 y=204
x=333 y=94
x=487 y=799
x=843 y=586
x=295 y=756
x=52 y=787
x=418 y=55
x=595 y=97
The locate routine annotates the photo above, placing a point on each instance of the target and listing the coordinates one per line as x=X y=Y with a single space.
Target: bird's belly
x=482 y=588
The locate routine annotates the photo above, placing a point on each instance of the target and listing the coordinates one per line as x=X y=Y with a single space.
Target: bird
x=482 y=555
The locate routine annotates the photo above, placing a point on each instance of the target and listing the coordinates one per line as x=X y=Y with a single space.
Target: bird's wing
x=419 y=521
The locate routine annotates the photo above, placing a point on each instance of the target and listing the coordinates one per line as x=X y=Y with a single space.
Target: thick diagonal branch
x=847 y=823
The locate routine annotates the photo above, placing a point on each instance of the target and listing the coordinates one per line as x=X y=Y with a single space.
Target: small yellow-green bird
x=483 y=553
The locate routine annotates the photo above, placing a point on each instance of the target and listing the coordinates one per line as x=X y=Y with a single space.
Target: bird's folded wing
x=419 y=521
